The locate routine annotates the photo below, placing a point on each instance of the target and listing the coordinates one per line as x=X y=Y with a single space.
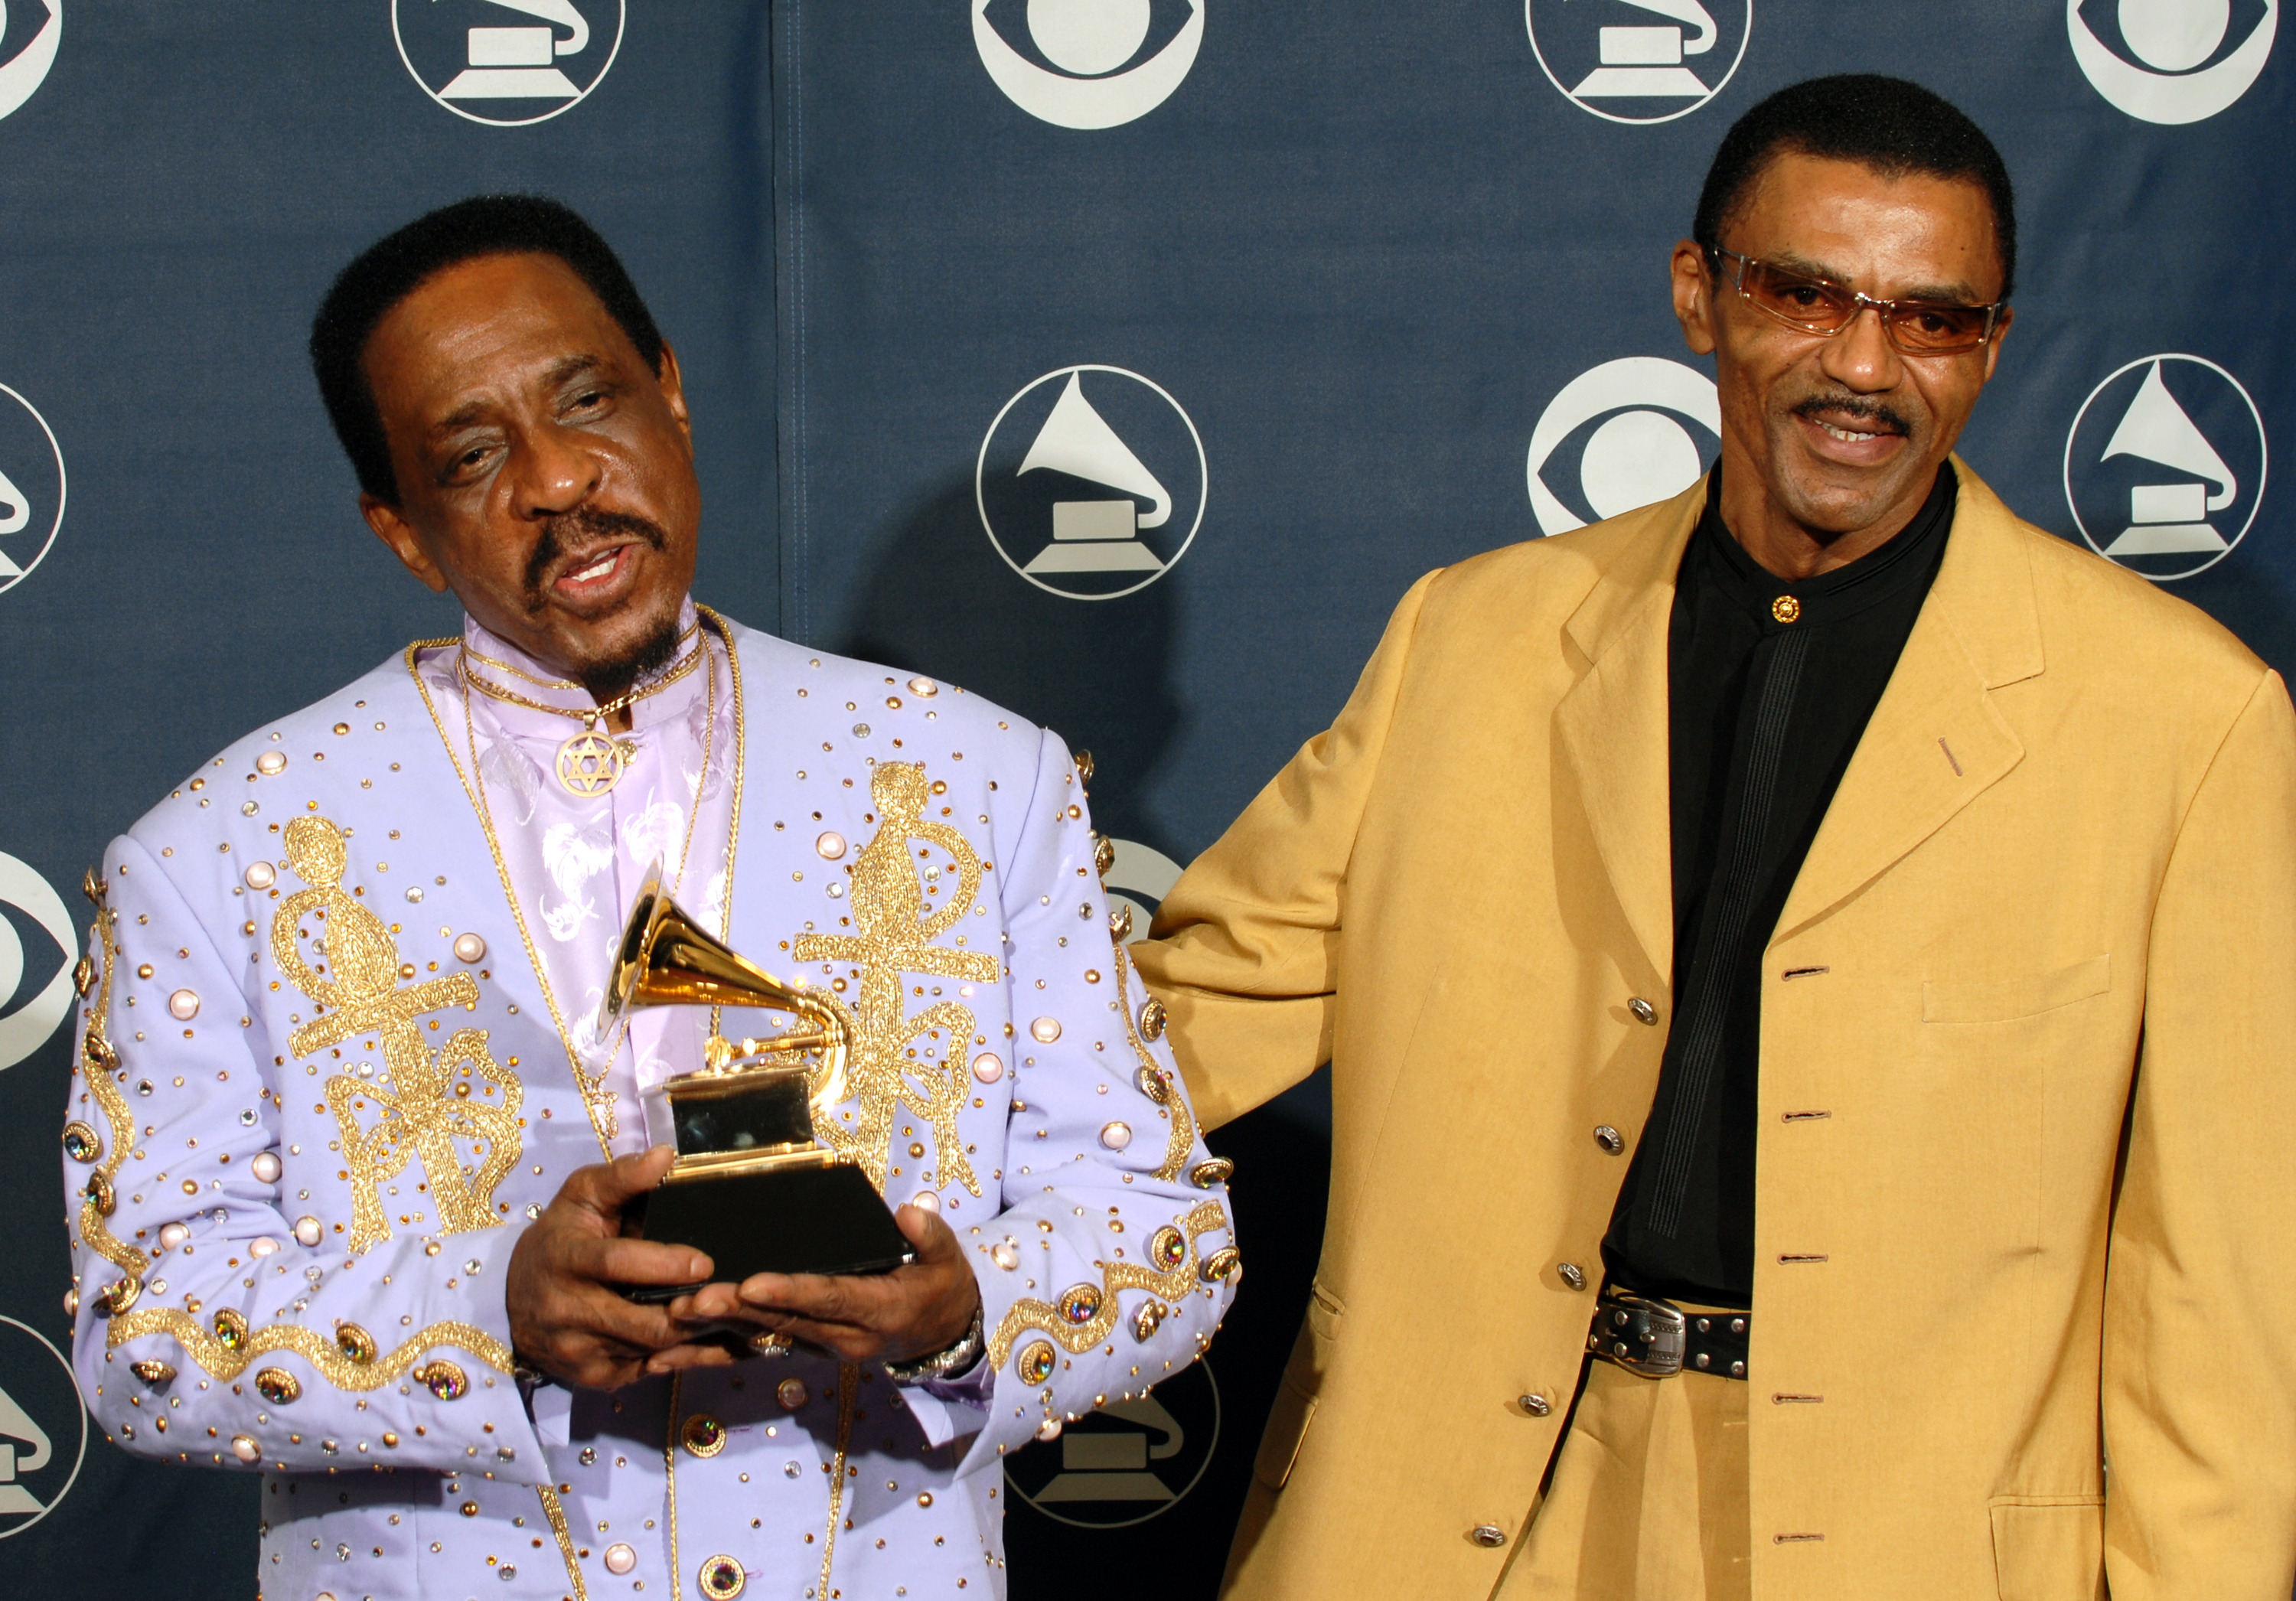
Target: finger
x=605 y=1188
x=619 y=1261
x=840 y=1298
x=679 y=1357
x=719 y=1302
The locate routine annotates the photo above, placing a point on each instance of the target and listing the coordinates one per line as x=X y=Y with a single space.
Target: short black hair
x=1894 y=126
x=394 y=267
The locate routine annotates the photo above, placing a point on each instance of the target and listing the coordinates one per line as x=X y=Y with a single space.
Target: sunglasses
x=1822 y=307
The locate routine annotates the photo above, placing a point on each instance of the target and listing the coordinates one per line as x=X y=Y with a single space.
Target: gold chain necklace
x=602 y=1118
x=590 y=764
x=592 y=1084
x=516 y=671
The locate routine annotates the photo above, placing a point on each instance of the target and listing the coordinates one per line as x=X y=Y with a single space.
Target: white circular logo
x=1091 y=482
x=31 y=489
x=28 y=69
x=472 y=58
x=1097 y=63
x=1126 y=1462
x=1625 y=420
x=1645 y=71
x=43 y=1427
x=1140 y=878
x=25 y=1028
x=2164 y=465
x=2178 y=60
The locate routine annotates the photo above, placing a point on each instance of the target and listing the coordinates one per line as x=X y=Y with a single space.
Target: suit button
x=1489 y=1536
x=1571 y=1276
x=1538 y=1406
x=704 y=1435
x=1608 y=1138
x=1645 y=1012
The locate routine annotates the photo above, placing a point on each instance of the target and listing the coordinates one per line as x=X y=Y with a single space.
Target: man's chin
x=618 y=643
x=1832 y=498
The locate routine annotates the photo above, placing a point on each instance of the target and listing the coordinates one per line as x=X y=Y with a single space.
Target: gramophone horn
x=665 y=959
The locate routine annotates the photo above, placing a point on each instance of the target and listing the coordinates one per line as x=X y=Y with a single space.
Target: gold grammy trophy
x=751 y=1184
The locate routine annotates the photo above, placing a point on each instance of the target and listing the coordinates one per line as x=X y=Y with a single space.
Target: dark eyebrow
x=1957 y=293
x=558 y=377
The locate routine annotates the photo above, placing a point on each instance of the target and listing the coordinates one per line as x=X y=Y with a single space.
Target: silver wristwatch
x=946 y=1362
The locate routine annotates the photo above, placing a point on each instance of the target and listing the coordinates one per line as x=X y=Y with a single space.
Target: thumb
x=626 y=1176
x=926 y=1231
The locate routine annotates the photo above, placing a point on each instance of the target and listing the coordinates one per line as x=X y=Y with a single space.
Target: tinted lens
x=1810 y=303
x=1927 y=325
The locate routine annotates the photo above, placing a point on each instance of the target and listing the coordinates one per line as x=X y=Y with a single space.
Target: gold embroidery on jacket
x=432 y=1099
x=100 y=1067
x=1153 y=1084
x=556 y=1513
x=228 y=1361
x=1080 y=1337
x=894 y=938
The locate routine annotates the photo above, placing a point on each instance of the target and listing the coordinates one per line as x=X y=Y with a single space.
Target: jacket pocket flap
x=2049 y=1547
x=2004 y=999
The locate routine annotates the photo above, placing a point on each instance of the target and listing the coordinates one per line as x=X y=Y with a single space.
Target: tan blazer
x=2027 y=1180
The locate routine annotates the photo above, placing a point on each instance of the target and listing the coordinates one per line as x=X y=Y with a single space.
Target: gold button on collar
x=1785 y=608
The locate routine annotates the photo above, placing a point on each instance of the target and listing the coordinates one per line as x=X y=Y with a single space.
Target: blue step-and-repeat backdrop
x=1122 y=360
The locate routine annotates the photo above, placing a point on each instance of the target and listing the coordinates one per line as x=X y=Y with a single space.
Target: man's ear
x=673 y=390
x=393 y=529
x=1993 y=345
x=1693 y=304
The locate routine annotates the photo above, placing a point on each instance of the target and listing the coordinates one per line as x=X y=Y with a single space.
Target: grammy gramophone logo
x=1127 y=1462
x=43 y=1427
x=2165 y=465
x=508 y=62
x=1091 y=482
x=32 y=489
x=1639 y=61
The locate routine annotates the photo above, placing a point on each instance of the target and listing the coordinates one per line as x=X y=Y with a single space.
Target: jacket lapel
x=1936 y=741
x=1611 y=724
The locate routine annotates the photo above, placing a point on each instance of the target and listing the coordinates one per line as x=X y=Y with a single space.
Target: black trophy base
x=789 y=1219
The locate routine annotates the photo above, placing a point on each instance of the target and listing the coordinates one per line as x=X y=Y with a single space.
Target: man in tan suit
x=1810 y=970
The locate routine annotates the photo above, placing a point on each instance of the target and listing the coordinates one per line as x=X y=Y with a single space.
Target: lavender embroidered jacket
x=310 y=1114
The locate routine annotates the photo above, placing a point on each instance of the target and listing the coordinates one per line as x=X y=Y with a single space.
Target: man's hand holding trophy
x=745 y=1234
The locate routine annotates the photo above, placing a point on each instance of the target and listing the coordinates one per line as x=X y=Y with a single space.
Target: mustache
x=1854 y=406
x=577 y=532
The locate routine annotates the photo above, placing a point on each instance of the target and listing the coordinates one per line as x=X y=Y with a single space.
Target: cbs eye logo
x=1623 y=425
x=2171 y=62
x=29 y=904
x=26 y=69
x=1087 y=63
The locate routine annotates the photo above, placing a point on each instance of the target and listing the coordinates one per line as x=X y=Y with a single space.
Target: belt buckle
x=1642 y=1334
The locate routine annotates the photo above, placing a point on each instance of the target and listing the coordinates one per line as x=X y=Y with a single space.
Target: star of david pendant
x=591 y=763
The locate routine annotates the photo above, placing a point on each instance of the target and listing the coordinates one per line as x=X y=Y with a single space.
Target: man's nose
x=1861 y=357
x=552 y=471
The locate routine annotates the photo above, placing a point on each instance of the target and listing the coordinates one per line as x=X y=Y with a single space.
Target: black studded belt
x=1657 y=1339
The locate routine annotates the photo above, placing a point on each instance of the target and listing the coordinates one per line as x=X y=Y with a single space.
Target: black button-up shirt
x=1770 y=686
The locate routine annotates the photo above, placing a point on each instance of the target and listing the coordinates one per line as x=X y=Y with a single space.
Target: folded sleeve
x=217 y=1319
x=1243 y=952
x=1113 y=1258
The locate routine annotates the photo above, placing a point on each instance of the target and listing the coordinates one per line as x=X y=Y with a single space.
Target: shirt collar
x=1904 y=560
x=502 y=665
